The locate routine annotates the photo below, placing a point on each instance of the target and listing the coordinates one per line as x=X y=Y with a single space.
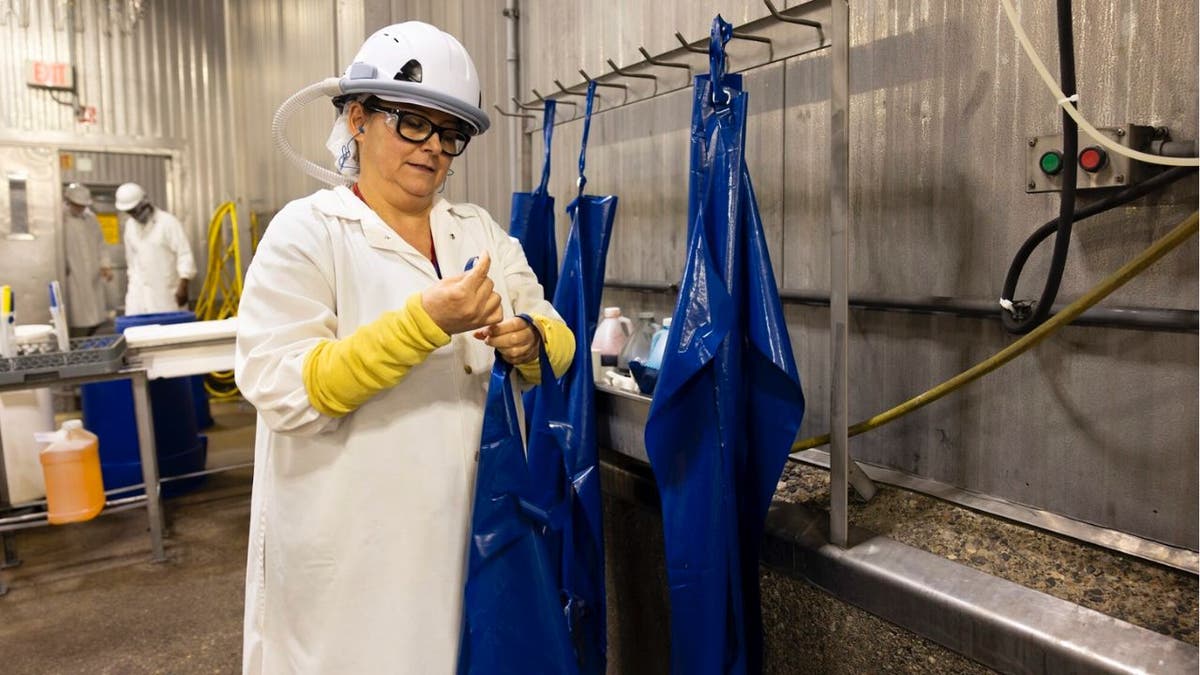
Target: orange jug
x=71 y=467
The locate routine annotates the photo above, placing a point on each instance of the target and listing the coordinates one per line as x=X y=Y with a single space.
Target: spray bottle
x=58 y=317
x=8 y=323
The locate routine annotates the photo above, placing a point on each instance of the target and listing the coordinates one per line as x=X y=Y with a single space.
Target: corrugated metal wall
x=160 y=86
x=1097 y=424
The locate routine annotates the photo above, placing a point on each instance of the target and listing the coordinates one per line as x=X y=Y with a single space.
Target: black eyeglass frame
x=399 y=116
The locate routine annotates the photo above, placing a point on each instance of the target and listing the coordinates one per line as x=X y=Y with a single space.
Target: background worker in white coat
x=87 y=262
x=157 y=254
x=367 y=351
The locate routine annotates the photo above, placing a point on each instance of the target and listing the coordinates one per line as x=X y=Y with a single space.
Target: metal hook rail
x=676 y=59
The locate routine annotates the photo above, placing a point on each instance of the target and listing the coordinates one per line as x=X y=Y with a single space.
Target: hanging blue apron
x=532 y=221
x=728 y=401
x=512 y=614
x=564 y=462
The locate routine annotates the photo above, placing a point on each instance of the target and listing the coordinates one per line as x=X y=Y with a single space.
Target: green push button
x=1051 y=163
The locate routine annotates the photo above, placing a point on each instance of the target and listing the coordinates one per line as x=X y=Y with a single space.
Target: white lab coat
x=86 y=254
x=157 y=256
x=359 y=526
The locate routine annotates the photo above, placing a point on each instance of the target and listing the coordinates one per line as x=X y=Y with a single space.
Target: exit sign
x=49 y=75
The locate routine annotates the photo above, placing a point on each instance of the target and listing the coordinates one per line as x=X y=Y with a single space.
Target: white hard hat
x=129 y=195
x=78 y=194
x=417 y=63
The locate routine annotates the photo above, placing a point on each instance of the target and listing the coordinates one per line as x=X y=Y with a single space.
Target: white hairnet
x=343 y=147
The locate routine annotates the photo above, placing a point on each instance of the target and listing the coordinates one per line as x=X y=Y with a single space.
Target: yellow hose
x=222 y=289
x=1181 y=233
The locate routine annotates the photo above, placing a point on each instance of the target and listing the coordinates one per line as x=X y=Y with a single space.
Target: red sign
x=49 y=75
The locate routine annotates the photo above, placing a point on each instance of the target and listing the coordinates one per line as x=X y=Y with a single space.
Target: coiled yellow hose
x=1181 y=233
x=222 y=289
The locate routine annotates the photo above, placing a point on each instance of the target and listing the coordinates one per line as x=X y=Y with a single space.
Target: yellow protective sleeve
x=341 y=375
x=560 y=347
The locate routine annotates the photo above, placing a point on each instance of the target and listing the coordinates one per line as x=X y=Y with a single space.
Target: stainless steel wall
x=158 y=87
x=1096 y=424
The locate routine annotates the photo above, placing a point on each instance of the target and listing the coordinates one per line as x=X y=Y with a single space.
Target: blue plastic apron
x=564 y=461
x=512 y=615
x=532 y=221
x=728 y=401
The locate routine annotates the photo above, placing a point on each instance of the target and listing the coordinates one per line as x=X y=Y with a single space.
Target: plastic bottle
x=659 y=345
x=637 y=347
x=610 y=337
x=71 y=467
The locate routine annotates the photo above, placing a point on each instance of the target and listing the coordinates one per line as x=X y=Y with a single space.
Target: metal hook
x=589 y=78
x=659 y=62
x=505 y=113
x=559 y=100
x=747 y=36
x=522 y=106
x=788 y=19
x=688 y=46
x=569 y=92
x=622 y=73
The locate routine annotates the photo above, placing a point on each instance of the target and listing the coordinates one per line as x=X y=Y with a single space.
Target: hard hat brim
x=407 y=92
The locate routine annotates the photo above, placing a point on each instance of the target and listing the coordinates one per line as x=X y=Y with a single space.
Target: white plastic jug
x=659 y=345
x=611 y=334
x=22 y=414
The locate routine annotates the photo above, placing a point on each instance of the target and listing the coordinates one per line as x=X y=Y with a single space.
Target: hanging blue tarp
x=532 y=221
x=512 y=614
x=728 y=401
x=565 y=463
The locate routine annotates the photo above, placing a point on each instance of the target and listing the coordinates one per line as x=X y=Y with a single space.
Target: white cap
x=72 y=425
x=78 y=194
x=666 y=323
x=612 y=312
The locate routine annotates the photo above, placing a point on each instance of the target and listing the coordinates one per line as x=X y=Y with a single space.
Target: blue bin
x=108 y=412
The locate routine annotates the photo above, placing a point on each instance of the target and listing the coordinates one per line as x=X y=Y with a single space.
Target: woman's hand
x=515 y=339
x=464 y=302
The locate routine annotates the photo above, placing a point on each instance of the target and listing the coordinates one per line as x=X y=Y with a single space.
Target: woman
x=367 y=350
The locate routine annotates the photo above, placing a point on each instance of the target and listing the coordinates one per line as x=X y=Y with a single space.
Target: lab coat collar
x=341 y=202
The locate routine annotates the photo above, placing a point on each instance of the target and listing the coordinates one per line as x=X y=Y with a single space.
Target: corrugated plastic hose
x=222 y=288
x=1181 y=233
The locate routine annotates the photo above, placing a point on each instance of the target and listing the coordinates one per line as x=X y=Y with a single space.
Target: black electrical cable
x=1121 y=198
x=1020 y=319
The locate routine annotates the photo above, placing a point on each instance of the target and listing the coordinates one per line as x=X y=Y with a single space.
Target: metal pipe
x=839 y=273
x=512 y=78
x=1138 y=318
x=149 y=456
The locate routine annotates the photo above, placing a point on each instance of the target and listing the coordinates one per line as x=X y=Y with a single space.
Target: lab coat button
x=467 y=369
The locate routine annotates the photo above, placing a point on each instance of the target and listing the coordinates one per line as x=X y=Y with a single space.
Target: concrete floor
x=86 y=598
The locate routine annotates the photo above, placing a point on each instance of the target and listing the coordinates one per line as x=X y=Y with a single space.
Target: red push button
x=1092 y=159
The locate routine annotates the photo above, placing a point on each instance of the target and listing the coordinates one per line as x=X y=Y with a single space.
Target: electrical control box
x=1097 y=167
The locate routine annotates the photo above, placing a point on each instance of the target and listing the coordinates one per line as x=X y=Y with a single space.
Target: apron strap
x=721 y=33
x=547 y=135
x=587 y=126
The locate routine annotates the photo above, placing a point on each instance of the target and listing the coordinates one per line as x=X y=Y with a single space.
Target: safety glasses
x=417 y=128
